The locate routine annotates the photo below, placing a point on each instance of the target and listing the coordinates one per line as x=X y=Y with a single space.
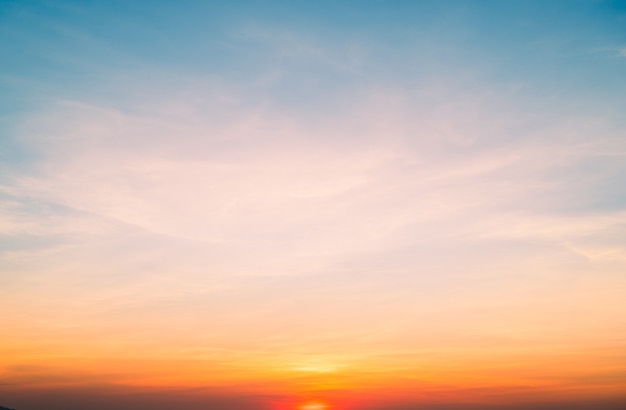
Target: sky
x=313 y=205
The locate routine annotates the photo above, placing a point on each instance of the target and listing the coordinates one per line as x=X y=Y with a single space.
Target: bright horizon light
x=313 y=406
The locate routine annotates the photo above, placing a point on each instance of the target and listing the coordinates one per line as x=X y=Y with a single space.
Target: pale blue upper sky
x=312 y=59
x=558 y=47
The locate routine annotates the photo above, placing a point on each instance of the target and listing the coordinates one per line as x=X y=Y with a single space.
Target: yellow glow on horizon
x=316 y=405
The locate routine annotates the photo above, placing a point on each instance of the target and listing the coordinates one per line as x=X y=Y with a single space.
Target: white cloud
x=256 y=178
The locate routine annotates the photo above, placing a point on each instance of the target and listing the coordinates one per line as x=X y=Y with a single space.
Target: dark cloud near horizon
x=103 y=399
x=606 y=404
x=199 y=399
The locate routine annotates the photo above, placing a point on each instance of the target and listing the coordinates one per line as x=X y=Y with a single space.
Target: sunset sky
x=312 y=205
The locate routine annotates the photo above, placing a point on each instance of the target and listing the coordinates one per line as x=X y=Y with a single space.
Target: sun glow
x=316 y=405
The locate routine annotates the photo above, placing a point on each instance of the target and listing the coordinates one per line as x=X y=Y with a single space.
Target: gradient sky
x=312 y=205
